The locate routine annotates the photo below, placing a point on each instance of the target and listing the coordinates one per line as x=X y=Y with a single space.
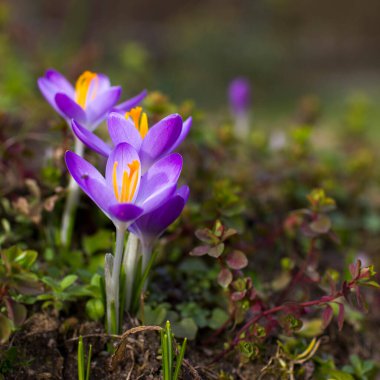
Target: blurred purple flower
x=239 y=93
x=150 y=143
x=124 y=195
x=89 y=102
x=151 y=226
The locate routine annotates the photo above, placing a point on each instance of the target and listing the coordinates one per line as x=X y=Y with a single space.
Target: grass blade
x=180 y=359
x=89 y=362
x=80 y=359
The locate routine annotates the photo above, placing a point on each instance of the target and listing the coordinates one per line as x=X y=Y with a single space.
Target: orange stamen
x=114 y=180
x=82 y=87
x=129 y=182
x=140 y=120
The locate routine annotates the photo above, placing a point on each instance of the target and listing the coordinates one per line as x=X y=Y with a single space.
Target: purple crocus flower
x=124 y=195
x=151 y=225
x=89 y=102
x=239 y=93
x=151 y=143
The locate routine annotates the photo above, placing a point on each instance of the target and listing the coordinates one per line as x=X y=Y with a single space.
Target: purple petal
x=153 y=224
x=123 y=154
x=90 y=139
x=98 y=108
x=157 y=198
x=70 y=108
x=81 y=170
x=239 y=93
x=125 y=212
x=60 y=82
x=164 y=173
x=184 y=192
x=103 y=83
x=184 y=132
x=49 y=91
x=101 y=194
x=123 y=130
x=130 y=103
x=159 y=140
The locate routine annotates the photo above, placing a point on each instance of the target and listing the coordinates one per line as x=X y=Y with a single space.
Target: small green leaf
x=218 y=318
x=155 y=316
x=95 y=309
x=100 y=241
x=68 y=281
x=185 y=328
x=5 y=329
x=19 y=312
x=27 y=258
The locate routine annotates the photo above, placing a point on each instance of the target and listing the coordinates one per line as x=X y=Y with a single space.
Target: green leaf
x=371 y=283
x=19 y=312
x=154 y=316
x=95 y=309
x=68 y=281
x=218 y=318
x=101 y=241
x=185 y=328
x=5 y=329
x=338 y=375
x=26 y=258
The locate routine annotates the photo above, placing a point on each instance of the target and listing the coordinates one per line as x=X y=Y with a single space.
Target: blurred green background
x=192 y=49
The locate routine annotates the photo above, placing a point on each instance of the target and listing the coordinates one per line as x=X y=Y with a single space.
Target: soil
x=47 y=349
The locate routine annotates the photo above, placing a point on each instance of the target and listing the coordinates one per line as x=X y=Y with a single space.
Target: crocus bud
x=239 y=95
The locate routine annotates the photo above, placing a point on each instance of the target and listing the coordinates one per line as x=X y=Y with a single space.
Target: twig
x=121 y=348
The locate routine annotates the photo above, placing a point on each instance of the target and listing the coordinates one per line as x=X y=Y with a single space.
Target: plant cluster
x=250 y=271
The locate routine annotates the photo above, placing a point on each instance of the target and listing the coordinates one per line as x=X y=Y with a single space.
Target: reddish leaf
x=355 y=269
x=224 y=277
x=327 y=316
x=321 y=225
x=200 y=251
x=237 y=260
x=238 y=296
x=340 y=316
x=205 y=235
x=228 y=233
x=216 y=251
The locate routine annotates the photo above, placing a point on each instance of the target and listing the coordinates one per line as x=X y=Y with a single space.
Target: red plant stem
x=276 y=309
x=298 y=276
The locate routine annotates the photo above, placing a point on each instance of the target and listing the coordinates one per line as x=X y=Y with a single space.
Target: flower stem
x=115 y=284
x=130 y=262
x=242 y=125
x=68 y=217
x=146 y=255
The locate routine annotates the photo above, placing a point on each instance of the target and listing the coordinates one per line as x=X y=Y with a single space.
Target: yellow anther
x=114 y=180
x=128 y=184
x=143 y=125
x=140 y=120
x=82 y=87
x=125 y=184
